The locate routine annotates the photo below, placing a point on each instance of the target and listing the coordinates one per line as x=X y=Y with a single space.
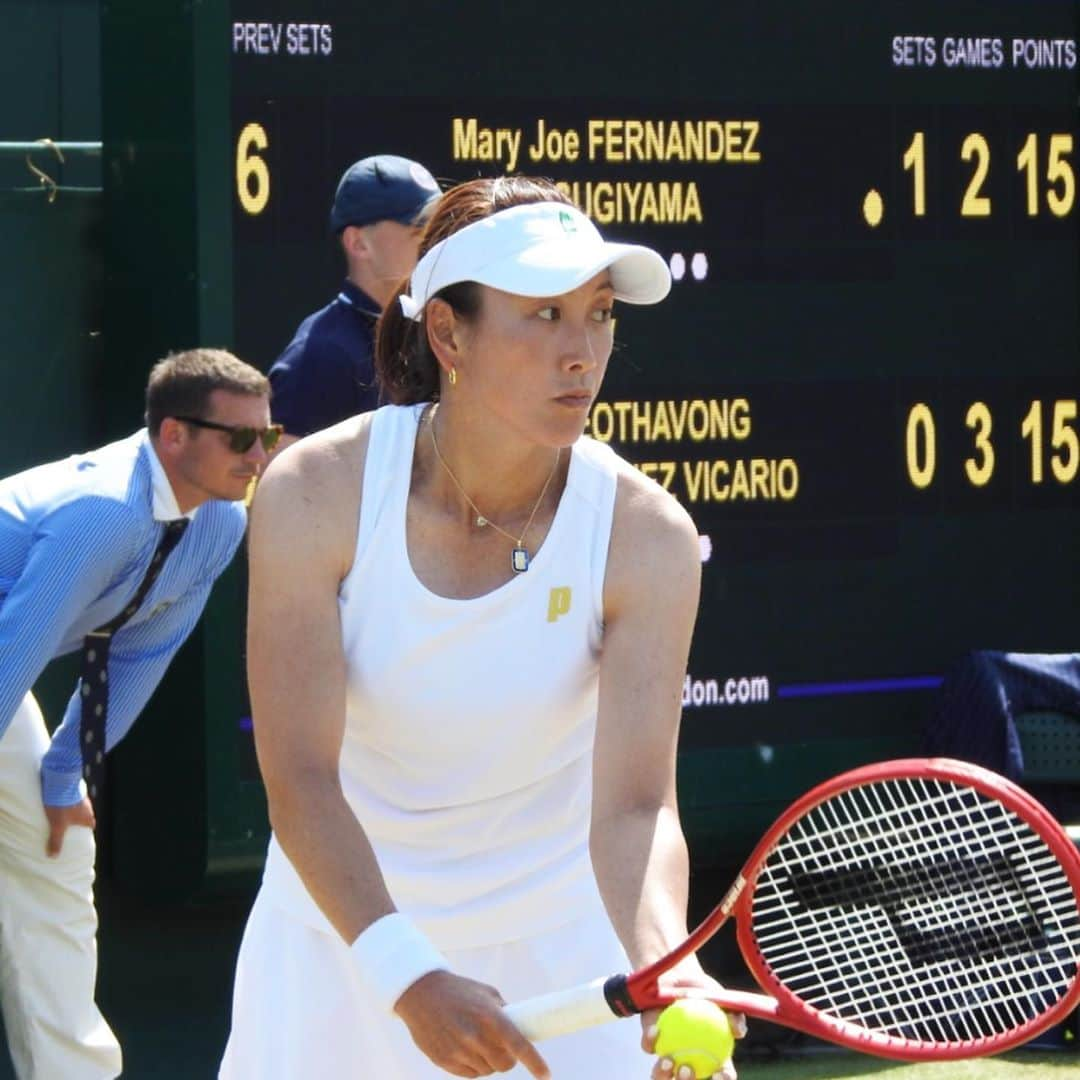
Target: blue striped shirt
x=76 y=538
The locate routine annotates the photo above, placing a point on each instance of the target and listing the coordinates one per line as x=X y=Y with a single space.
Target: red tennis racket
x=915 y=909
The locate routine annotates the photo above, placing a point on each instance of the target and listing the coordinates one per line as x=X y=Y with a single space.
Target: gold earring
x=453 y=376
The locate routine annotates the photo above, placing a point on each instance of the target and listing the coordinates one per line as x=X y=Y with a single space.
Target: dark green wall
x=51 y=349
x=51 y=346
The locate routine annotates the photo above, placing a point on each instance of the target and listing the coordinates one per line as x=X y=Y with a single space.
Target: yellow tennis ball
x=697 y=1033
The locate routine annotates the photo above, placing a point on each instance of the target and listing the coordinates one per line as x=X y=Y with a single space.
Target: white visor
x=538 y=249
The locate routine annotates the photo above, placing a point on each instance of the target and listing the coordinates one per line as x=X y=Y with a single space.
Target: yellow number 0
x=252 y=175
x=921 y=459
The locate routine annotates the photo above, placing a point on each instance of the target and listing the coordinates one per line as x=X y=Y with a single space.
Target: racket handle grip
x=561 y=1012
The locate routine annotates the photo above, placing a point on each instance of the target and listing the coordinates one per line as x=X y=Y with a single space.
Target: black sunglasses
x=241 y=439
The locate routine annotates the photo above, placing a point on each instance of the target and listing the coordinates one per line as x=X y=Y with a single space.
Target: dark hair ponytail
x=405 y=367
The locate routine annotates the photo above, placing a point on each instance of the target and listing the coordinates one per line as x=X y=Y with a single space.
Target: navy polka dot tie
x=94 y=687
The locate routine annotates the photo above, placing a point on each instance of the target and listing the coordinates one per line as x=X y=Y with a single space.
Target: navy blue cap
x=382 y=188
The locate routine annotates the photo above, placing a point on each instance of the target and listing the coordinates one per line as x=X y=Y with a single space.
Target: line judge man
x=327 y=371
x=113 y=553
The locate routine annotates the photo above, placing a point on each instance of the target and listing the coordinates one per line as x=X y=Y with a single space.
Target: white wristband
x=390 y=955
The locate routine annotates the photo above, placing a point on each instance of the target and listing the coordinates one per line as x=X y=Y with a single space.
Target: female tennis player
x=468 y=630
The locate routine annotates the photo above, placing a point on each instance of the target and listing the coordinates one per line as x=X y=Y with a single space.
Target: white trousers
x=299 y=1011
x=48 y=926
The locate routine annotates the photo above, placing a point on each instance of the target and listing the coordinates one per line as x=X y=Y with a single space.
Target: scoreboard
x=864 y=386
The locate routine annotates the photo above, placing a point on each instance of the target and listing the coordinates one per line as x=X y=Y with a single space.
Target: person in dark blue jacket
x=326 y=372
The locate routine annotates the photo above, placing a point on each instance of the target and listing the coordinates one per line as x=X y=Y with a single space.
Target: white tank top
x=467 y=755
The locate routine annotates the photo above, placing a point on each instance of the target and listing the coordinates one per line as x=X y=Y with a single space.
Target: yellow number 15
x=252 y=175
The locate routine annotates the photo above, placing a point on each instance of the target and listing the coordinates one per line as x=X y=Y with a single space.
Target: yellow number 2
x=974 y=204
x=252 y=175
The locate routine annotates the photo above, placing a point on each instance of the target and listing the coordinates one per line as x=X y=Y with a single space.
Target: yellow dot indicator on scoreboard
x=873 y=208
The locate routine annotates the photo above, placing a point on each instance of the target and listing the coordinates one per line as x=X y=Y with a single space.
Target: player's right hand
x=460 y=1024
x=61 y=818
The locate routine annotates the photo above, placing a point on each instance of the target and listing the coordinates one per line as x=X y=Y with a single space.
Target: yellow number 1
x=915 y=160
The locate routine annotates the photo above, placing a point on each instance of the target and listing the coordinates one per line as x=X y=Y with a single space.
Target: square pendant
x=519 y=560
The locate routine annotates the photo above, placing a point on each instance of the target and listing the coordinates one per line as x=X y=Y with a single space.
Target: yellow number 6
x=252 y=175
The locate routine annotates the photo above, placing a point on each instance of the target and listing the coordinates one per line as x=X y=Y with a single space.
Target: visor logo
x=567 y=221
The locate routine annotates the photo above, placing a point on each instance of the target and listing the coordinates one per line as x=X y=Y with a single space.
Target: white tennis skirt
x=299 y=1012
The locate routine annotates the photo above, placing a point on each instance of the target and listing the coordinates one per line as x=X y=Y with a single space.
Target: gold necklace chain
x=519 y=559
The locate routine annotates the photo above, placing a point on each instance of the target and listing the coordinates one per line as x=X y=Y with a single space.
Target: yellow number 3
x=980 y=470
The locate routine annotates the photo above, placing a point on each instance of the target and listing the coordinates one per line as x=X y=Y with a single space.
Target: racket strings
x=881 y=999
x=966 y=945
x=918 y=908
